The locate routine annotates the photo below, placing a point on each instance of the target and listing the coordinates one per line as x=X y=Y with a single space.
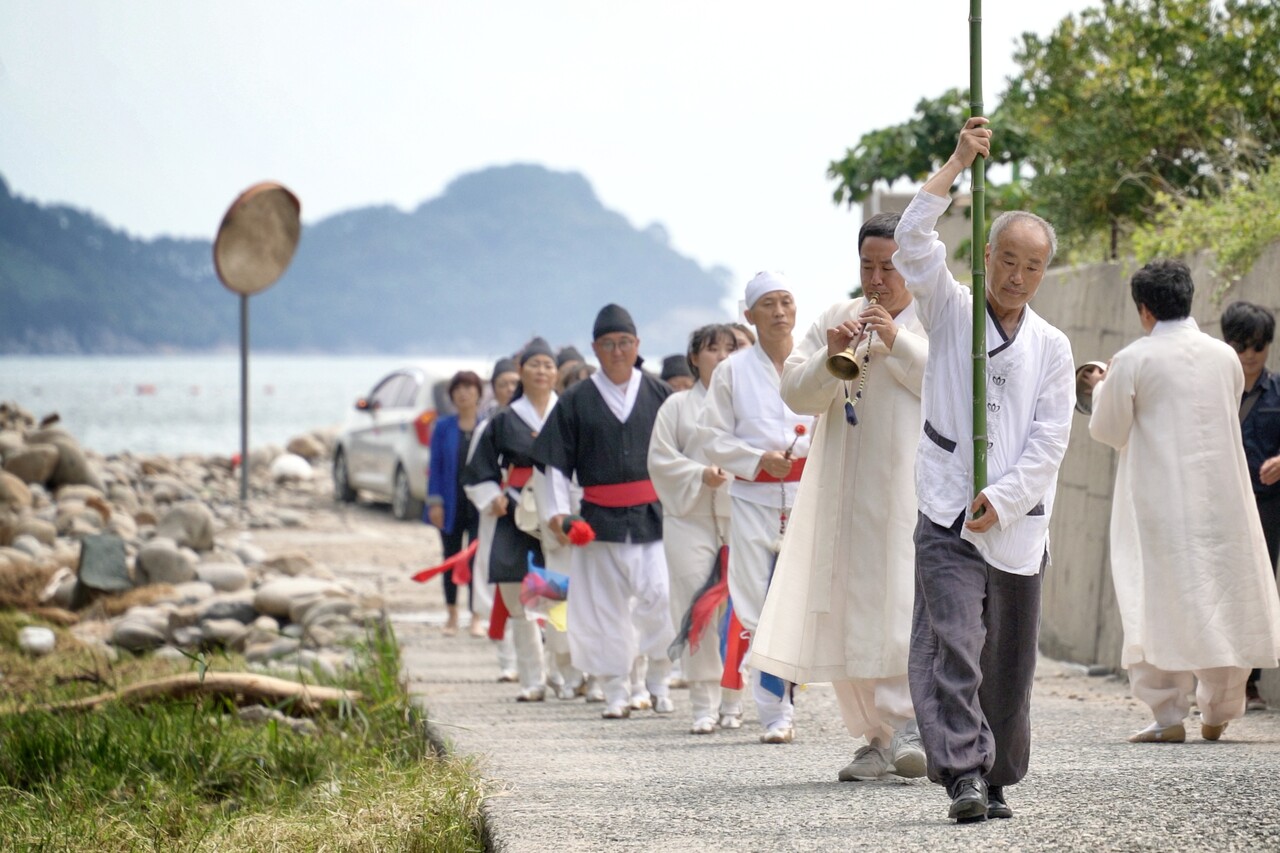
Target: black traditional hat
x=566 y=355
x=503 y=365
x=612 y=318
x=675 y=365
x=537 y=346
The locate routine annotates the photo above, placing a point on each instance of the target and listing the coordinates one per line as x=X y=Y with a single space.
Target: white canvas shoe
x=663 y=705
x=730 y=721
x=616 y=712
x=703 y=726
x=532 y=694
x=641 y=702
x=594 y=692
x=778 y=733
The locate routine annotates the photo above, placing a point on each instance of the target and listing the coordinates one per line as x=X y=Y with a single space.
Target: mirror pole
x=244 y=404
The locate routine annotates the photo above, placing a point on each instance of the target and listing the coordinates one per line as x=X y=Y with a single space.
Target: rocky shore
x=156 y=554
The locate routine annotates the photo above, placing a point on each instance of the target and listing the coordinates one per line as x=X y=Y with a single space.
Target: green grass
x=189 y=775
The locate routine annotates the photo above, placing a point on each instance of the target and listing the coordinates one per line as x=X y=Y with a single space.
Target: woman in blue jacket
x=447 y=508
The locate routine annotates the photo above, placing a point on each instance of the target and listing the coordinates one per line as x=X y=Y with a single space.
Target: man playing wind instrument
x=749 y=431
x=977 y=602
x=839 y=607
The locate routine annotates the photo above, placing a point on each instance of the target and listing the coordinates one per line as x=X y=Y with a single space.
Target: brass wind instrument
x=844 y=365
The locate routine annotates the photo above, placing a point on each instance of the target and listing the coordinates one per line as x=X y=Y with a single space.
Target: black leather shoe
x=969 y=803
x=996 y=806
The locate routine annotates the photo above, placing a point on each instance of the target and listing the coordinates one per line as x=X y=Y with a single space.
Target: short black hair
x=880 y=225
x=704 y=337
x=1248 y=325
x=1165 y=288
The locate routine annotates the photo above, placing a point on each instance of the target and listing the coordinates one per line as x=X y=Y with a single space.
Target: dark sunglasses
x=1241 y=347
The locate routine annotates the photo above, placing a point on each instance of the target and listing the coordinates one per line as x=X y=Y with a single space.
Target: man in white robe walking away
x=1197 y=597
x=839 y=606
x=695 y=524
x=976 y=620
x=600 y=430
x=749 y=431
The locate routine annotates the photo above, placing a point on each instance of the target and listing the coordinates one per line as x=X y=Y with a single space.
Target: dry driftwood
x=241 y=687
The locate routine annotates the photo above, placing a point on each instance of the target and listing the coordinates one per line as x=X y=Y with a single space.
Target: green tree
x=1118 y=110
x=913 y=149
x=1140 y=97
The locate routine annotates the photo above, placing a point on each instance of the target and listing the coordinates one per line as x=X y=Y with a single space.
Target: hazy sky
x=717 y=119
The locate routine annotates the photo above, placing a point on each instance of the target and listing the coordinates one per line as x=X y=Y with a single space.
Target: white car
x=386 y=445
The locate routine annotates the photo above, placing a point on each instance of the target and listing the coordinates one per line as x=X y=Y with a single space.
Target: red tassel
x=580 y=533
x=703 y=611
x=735 y=651
x=463 y=556
x=498 y=618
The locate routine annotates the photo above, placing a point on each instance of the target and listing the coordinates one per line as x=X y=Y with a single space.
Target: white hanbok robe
x=840 y=603
x=695 y=518
x=1188 y=558
x=743 y=418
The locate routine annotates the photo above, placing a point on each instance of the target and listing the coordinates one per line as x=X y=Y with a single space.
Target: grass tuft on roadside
x=190 y=774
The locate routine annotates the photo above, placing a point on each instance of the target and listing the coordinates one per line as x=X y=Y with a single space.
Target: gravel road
x=565 y=780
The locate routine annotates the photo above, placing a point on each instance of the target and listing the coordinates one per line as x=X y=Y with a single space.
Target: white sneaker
x=508 y=676
x=616 y=712
x=663 y=705
x=532 y=694
x=594 y=692
x=869 y=762
x=566 y=691
x=703 y=726
x=907 y=752
x=778 y=733
x=641 y=702
x=730 y=721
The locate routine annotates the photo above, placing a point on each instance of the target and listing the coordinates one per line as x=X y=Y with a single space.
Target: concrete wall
x=1093 y=306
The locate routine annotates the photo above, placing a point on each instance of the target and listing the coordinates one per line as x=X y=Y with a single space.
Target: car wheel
x=404 y=505
x=342 y=490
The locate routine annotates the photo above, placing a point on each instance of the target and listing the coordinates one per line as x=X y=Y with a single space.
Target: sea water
x=174 y=404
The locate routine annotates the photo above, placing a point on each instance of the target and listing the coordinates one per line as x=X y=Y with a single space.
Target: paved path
x=566 y=780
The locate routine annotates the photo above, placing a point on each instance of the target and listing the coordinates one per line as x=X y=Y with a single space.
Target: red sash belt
x=517 y=477
x=797 y=468
x=635 y=493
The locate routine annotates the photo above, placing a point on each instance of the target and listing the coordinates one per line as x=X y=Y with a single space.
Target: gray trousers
x=973 y=657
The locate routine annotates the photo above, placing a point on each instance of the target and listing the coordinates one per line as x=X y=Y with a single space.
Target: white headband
x=766 y=282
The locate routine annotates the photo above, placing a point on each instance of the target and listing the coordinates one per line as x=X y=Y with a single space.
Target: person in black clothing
x=1250 y=329
x=599 y=432
x=499 y=469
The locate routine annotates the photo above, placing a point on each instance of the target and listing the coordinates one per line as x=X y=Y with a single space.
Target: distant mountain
x=504 y=253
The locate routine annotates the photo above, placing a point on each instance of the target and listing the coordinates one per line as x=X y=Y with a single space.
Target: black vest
x=583 y=436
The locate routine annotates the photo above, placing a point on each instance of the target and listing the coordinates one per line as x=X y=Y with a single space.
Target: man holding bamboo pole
x=977 y=602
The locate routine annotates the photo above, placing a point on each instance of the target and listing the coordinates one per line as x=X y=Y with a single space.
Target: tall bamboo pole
x=978 y=209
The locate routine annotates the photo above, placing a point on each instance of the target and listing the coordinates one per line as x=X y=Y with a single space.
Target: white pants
x=875 y=708
x=753 y=533
x=527 y=638
x=619 y=608
x=692 y=550
x=481 y=589
x=1219 y=692
x=704 y=696
x=773 y=710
